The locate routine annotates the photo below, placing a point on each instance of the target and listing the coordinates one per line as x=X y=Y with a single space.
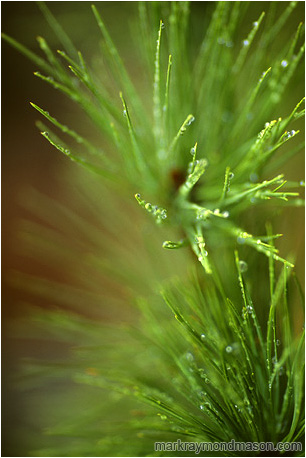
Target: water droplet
x=258 y=242
x=221 y=41
x=255 y=24
x=249 y=309
x=241 y=240
x=229 y=44
x=290 y=134
x=243 y=267
x=225 y=214
x=202 y=407
x=190 y=120
x=302 y=183
x=192 y=151
x=229 y=349
x=253 y=177
x=189 y=357
x=246 y=42
x=124 y=113
x=278 y=342
x=281 y=371
x=46 y=134
x=203 y=337
x=217 y=211
x=284 y=63
x=163 y=214
x=149 y=207
x=163 y=417
x=162 y=25
x=231 y=175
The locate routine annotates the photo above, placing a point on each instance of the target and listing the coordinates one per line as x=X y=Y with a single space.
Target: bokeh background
x=28 y=161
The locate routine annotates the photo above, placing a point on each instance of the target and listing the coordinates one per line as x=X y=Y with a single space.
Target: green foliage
x=206 y=144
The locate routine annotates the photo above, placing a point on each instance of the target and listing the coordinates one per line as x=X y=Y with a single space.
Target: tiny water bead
x=158 y=212
x=229 y=349
x=203 y=337
x=225 y=214
x=245 y=42
x=253 y=177
x=231 y=175
x=190 y=120
x=124 y=113
x=249 y=309
x=193 y=151
x=278 y=342
x=243 y=267
x=284 y=63
x=162 y=25
x=189 y=357
x=221 y=41
x=290 y=134
x=203 y=214
x=255 y=24
x=200 y=241
x=201 y=258
x=242 y=237
x=302 y=183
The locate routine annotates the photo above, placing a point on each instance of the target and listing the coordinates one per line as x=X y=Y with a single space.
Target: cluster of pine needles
x=175 y=318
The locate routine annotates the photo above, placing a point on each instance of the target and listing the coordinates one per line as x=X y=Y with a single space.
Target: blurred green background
x=29 y=161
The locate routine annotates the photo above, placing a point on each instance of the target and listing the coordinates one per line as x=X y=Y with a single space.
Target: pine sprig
x=205 y=356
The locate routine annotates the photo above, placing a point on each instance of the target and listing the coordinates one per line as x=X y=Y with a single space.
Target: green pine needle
x=201 y=343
